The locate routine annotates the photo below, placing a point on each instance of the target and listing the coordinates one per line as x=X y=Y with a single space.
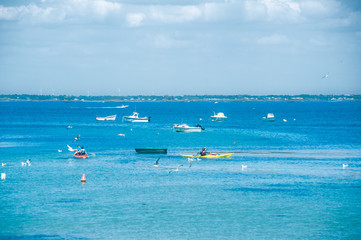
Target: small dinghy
x=78 y=154
x=108 y=118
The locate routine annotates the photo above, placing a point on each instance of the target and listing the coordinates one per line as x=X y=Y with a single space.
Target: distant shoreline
x=184 y=98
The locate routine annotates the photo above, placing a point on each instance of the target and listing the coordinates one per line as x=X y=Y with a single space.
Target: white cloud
x=273 y=39
x=272 y=10
x=30 y=11
x=321 y=12
x=175 y=13
x=88 y=9
x=320 y=8
x=135 y=19
x=102 y=7
x=70 y=9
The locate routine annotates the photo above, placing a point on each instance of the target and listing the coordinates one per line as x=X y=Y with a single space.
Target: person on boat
x=203 y=152
x=82 y=151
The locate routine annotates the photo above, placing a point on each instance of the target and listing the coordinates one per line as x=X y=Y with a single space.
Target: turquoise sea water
x=294 y=186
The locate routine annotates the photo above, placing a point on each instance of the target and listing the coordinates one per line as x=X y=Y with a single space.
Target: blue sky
x=158 y=47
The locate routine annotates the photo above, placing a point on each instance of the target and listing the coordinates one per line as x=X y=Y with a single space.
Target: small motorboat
x=123 y=106
x=151 y=150
x=269 y=118
x=108 y=118
x=219 y=117
x=185 y=128
x=78 y=154
x=209 y=155
x=135 y=118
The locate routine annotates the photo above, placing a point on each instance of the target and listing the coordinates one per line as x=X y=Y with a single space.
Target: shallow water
x=294 y=186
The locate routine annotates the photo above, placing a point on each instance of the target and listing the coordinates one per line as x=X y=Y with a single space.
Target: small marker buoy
x=3 y=176
x=131 y=129
x=234 y=142
x=158 y=133
x=83 y=179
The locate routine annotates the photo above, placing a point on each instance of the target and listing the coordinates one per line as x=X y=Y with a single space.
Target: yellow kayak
x=212 y=155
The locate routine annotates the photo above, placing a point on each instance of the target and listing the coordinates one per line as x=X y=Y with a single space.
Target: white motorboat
x=135 y=118
x=269 y=118
x=108 y=118
x=185 y=128
x=219 y=117
x=123 y=106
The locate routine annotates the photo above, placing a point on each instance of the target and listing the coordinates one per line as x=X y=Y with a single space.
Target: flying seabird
x=177 y=169
x=325 y=76
x=156 y=164
x=190 y=160
x=70 y=148
x=77 y=138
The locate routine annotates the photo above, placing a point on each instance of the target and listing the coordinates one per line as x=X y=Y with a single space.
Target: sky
x=171 y=47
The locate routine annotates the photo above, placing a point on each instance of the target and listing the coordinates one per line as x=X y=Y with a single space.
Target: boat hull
x=80 y=156
x=218 y=119
x=268 y=119
x=187 y=130
x=127 y=119
x=109 y=118
x=151 y=150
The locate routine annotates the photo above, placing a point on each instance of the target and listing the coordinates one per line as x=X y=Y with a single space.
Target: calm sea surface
x=294 y=186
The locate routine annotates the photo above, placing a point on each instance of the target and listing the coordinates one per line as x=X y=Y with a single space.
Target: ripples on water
x=294 y=185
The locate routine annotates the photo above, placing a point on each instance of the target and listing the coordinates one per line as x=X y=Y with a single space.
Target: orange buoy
x=83 y=179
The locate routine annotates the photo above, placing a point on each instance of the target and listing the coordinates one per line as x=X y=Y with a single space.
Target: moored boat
x=185 y=128
x=269 y=118
x=108 y=118
x=135 y=118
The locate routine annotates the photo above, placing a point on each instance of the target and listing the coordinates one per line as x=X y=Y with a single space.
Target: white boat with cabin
x=185 y=128
x=219 y=117
x=108 y=118
x=135 y=118
x=269 y=118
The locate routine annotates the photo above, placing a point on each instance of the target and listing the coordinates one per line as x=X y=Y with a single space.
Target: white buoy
x=3 y=176
x=285 y=120
x=59 y=150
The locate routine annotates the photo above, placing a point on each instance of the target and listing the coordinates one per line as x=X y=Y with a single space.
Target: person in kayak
x=82 y=151
x=203 y=152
